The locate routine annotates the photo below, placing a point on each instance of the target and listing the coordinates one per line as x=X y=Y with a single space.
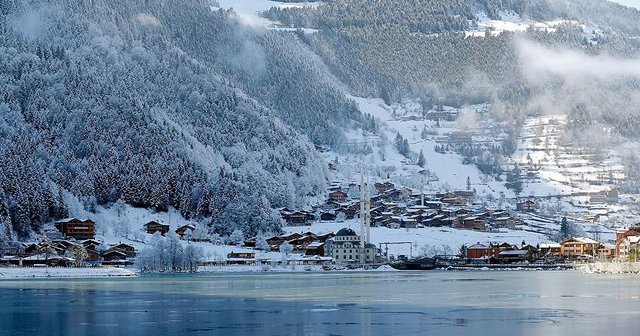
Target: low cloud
x=147 y=19
x=543 y=63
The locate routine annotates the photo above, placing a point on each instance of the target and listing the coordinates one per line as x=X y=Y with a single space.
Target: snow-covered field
x=443 y=239
x=444 y=172
x=249 y=11
x=510 y=22
x=60 y=272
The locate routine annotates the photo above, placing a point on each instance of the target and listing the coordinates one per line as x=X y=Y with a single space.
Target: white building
x=347 y=248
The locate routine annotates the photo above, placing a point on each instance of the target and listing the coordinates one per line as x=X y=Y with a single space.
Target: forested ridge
x=160 y=104
x=394 y=49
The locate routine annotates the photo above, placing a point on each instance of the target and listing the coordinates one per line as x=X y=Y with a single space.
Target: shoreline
x=604 y=267
x=12 y=273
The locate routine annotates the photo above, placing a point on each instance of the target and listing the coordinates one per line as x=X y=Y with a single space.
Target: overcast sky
x=630 y=3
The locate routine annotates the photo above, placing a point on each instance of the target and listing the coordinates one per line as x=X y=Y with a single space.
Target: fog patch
x=147 y=19
x=250 y=58
x=33 y=23
x=540 y=64
x=571 y=82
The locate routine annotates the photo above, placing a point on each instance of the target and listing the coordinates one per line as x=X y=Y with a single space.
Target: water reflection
x=500 y=303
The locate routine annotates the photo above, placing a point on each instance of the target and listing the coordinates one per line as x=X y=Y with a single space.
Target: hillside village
x=73 y=243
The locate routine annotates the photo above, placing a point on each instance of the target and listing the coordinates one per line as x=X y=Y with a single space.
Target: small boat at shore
x=420 y=264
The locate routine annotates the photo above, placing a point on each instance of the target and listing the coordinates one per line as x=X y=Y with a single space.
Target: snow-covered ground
x=441 y=173
x=510 y=22
x=61 y=272
x=442 y=239
x=249 y=11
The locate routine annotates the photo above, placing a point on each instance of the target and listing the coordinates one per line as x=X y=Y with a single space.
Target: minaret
x=367 y=208
x=362 y=214
x=422 y=190
x=365 y=213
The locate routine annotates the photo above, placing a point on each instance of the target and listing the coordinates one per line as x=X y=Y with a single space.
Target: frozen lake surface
x=385 y=303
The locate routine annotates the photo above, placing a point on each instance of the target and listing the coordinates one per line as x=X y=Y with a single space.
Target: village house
x=550 y=250
x=455 y=201
x=526 y=206
x=315 y=249
x=296 y=218
x=621 y=235
x=382 y=187
x=76 y=228
x=153 y=227
x=114 y=255
x=241 y=258
x=606 y=251
x=466 y=194
x=471 y=223
x=181 y=231
x=327 y=216
x=338 y=196
x=515 y=256
x=91 y=244
x=127 y=249
x=504 y=222
x=481 y=250
x=579 y=247
x=605 y=196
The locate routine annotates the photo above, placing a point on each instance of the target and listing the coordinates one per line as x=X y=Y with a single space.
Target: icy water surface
x=390 y=303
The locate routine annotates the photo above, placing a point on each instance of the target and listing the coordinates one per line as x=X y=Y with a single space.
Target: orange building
x=579 y=246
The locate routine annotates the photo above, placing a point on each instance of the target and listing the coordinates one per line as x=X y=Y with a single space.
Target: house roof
x=67 y=220
x=477 y=247
x=633 y=239
x=549 y=245
x=583 y=240
x=513 y=252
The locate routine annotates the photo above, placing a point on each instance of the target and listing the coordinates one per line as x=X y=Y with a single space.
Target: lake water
x=385 y=303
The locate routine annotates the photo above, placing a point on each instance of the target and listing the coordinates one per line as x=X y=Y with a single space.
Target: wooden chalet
x=605 y=196
x=505 y=222
x=181 y=231
x=467 y=194
x=128 y=250
x=296 y=218
x=76 y=228
x=315 y=249
x=327 y=216
x=481 y=250
x=113 y=255
x=409 y=223
x=91 y=244
x=550 y=250
x=579 y=246
x=382 y=187
x=338 y=196
x=455 y=201
x=471 y=223
x=526 y=206
x=153 y=227
x=241 y=258
x=515 y=256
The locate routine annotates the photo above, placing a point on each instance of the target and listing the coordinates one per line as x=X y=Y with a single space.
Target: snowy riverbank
x=612 y=268
x=61 y=272
x=283 y=269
